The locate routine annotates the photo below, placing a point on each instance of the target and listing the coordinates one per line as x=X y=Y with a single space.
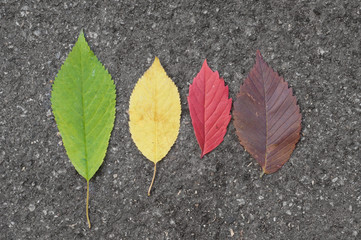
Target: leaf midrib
x=83 y=115
x=204 y=111
x=155 y=121
x=266 y=115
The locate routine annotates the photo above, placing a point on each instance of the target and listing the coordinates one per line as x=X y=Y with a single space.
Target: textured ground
x=314 y=46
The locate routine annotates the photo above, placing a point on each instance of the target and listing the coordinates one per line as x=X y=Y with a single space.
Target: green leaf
x=83 y=103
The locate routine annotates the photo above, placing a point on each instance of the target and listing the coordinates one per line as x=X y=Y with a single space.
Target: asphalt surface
x=314 y=45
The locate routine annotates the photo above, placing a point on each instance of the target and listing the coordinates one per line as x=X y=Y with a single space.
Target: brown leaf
x=266 y=117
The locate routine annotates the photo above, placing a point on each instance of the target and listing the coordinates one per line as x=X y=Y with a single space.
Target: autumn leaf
x=266 y=117
x=154 y=114
x=209 y=107
x=83 y=103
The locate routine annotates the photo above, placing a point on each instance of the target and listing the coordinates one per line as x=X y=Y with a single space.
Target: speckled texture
x=314 y=46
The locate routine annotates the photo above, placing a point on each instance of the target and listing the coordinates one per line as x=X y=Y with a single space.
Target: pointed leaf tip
x=267 y=117
x=156 y=64
x=81 y=36
x=205 y=63
x=209 y=107
x=259 y=57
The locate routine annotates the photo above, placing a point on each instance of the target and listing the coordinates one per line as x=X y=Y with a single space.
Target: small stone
x=321 y=51
x=241 y=201
x=24 y=11
x=288 y=212
x=231 y=232
x=37 y=33
x=31 y=207
x=93 y=34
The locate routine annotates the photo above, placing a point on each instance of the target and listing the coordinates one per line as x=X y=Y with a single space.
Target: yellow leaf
x=154 y=114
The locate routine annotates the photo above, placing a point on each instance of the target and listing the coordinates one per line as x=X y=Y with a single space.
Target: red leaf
x=209 y=107
x=266 y=117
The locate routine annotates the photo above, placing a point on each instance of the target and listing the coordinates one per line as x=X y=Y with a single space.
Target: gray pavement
x=314 y=45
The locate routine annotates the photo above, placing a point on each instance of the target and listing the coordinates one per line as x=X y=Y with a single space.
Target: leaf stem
x=87 y=203
x=261 y=175
x=155 y=170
